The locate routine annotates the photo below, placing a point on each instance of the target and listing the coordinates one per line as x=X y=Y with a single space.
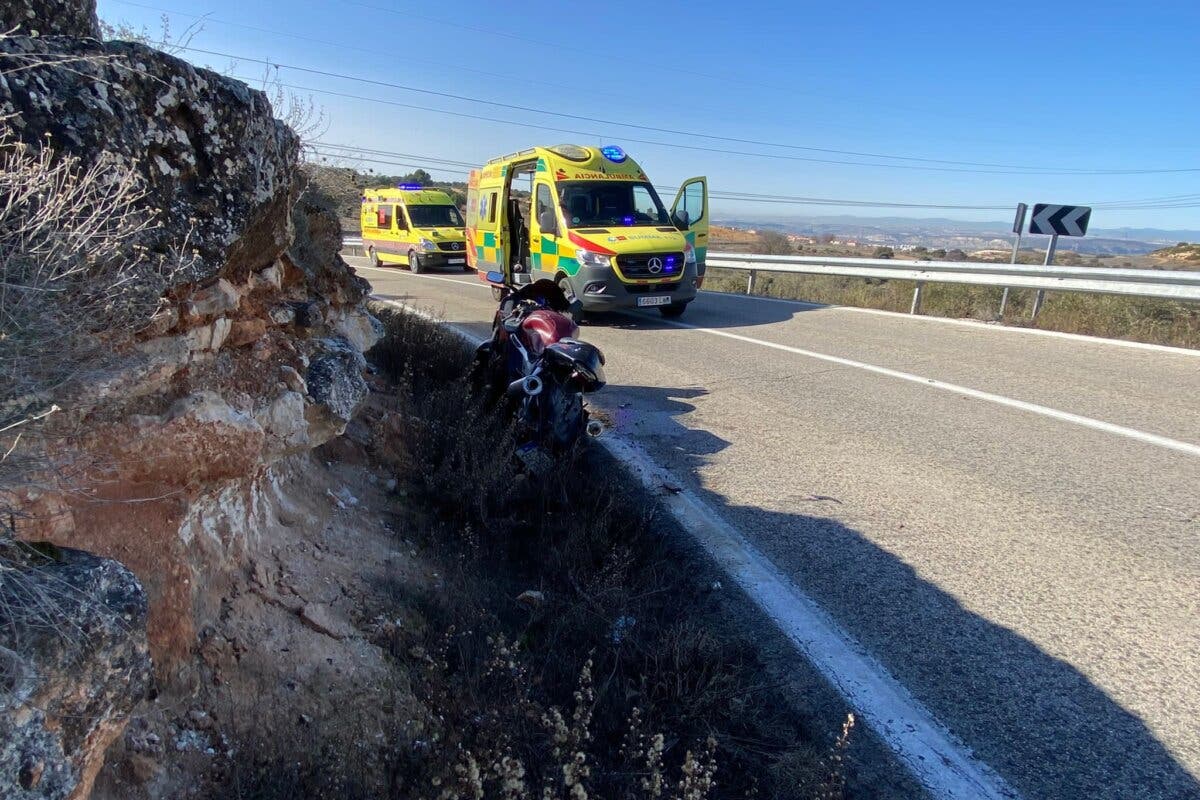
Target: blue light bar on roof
x=613 y=153
x=412 y=187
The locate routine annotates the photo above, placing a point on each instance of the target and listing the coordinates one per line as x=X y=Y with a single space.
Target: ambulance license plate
x=456 y=261
x=655 y=300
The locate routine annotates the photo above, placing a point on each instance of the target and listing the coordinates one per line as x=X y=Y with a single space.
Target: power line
x=373 y=156
x=1175 y=201
x=464 y=115
x=998 y=168
x=342 y=46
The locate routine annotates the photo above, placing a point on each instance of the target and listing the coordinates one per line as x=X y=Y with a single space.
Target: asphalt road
x=1009 y=522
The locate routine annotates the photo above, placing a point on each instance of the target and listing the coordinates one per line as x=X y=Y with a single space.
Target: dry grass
x=1143 y=320
x=616 y=680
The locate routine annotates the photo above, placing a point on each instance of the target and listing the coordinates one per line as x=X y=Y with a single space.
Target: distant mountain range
x=953 y=233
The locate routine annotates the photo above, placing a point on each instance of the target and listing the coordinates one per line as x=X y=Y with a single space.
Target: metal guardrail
x=1164 y=284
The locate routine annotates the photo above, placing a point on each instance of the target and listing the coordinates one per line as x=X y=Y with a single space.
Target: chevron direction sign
x=1059 y=220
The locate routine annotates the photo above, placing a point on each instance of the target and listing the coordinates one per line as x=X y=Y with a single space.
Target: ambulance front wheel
x=576 y=305
x=414 y=262
x=674 y=311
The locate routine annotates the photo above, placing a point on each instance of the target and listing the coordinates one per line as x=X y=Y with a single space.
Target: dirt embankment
x=422 y=619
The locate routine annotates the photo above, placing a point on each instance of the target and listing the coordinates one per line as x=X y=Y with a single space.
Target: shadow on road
x=1030 y=715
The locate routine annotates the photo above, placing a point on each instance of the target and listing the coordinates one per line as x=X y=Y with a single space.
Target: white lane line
x=933 y=383
x=963 y=323
x=942 y=764
x=463 y=281
x=965 y=391
x=968 y=323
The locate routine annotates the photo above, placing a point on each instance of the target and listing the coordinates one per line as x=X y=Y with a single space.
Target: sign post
x=1018 y=224
x=1055 y=221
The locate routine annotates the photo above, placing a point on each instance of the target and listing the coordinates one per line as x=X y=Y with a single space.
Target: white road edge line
x=977 y=394
x=942 y=764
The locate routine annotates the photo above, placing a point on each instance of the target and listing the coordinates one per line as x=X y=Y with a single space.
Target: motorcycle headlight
x=427 y=244
x=587 y=258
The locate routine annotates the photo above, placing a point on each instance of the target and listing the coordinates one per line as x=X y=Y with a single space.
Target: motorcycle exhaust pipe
x=530 y=385
x=594 y=428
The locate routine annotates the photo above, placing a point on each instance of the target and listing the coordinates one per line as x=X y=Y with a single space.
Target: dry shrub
x=617 y=680
x=623 y=624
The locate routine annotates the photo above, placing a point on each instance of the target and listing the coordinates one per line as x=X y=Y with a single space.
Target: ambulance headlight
x=689 y=253
x=587 y=258
x=426 y=244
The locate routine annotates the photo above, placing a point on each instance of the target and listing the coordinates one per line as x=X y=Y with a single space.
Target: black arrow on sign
x=1060 y=220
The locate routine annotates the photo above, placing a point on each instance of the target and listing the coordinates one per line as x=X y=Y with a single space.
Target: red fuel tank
x=544 y=327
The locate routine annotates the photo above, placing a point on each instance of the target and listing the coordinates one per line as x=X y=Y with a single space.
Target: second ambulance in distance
x=589 y=219
x=412 y=225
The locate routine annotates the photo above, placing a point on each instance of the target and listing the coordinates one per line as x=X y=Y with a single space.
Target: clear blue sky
x=1085 y=86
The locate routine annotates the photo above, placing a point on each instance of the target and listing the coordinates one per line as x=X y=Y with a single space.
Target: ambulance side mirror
x=682 y=220
x=548 y=223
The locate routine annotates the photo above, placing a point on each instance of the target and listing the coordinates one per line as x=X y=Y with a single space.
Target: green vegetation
x=1143 y=320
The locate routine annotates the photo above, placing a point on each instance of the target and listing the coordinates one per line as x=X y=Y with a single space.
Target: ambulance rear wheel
x=414 y=262
x=375 y=262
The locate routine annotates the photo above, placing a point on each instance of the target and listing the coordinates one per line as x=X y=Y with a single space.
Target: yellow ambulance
x=412 y=225
x=589 y=219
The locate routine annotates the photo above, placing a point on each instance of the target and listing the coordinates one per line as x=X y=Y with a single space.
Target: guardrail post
x=1003 y=302
x=916 y=303
x=750 y=281
x=1038 y=298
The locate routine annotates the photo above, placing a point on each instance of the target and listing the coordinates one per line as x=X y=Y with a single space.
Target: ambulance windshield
x=616 y=203
x=435 y=217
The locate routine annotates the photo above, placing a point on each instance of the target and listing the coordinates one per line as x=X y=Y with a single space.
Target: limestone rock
x=200 y=439
x=219 y=298
x=293 y=380
x=217 y=167
x=52 y=17
x=73 y=663
x=336 y=386
x=359 y=327
x=285 y=426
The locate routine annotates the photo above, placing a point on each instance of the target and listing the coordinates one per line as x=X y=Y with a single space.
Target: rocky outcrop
x=53 y=17
x=73 y=663
x=159 y=458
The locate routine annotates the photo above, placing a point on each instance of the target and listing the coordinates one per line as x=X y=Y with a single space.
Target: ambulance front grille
x=651 y=265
